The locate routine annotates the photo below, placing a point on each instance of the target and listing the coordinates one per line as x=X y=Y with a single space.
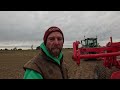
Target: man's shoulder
x=31 y=61
x=31 y=64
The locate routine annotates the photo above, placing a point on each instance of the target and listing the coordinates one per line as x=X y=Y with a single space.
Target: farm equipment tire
x=99 y=72
x=102 y=72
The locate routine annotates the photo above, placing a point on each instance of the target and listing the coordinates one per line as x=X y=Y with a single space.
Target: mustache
x=56 y=47
x=59 y=48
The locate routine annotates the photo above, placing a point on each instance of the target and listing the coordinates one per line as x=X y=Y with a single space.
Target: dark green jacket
x=45 y=66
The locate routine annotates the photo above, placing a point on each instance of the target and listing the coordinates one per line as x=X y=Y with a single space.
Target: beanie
x=50 y=30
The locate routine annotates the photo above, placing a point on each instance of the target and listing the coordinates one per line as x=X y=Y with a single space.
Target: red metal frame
x=115 y=75
x=108 y=53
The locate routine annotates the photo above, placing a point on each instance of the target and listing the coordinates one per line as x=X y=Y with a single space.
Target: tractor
x=89 y=43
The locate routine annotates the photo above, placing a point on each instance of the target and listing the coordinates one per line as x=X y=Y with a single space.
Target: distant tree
x=19 y=49
x=6 y=49
x=31 y=47
x=1 y=49
x=38 y=48
x=15 y=48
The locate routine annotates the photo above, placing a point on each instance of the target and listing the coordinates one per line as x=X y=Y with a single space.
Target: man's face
x=54 y=43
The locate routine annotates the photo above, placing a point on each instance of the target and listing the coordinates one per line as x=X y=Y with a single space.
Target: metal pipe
x=111 y=39
x=100 y=55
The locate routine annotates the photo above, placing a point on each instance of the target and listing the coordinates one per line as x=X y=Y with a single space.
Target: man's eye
x=51 y=39
x=59 y=39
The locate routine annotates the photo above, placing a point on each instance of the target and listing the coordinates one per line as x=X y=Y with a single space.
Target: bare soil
x=11 y=64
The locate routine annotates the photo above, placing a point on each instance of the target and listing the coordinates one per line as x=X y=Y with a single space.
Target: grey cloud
x=30 y=25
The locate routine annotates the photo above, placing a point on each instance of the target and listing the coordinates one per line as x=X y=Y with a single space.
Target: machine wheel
x=99 y=72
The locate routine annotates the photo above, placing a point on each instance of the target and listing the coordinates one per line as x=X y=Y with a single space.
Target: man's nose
x=56 y=41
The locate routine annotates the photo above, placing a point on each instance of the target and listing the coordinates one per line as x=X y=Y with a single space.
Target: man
x=48 y=64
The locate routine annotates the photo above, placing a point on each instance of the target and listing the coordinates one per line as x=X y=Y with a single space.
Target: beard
x=55 y=51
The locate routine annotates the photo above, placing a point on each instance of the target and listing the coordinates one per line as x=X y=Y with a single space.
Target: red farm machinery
x=109 y=54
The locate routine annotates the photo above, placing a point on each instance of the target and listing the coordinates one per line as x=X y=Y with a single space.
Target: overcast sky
x=29 y=26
